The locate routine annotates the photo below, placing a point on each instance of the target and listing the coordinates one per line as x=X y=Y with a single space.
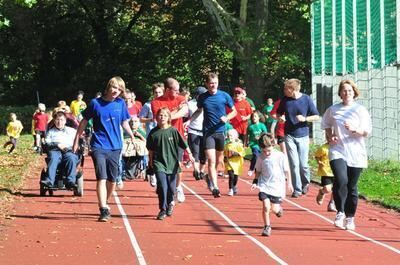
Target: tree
x=269 y=39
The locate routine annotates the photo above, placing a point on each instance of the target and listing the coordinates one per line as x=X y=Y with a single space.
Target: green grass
x=380 y=182
x=14 y=167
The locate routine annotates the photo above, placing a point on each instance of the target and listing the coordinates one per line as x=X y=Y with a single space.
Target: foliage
x=24 y=114
x=270 y=40
x=59 y=47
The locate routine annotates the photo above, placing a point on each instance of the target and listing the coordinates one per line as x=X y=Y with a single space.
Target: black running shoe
x=170 y=209
x=216 y=193
x=196 y=175
x=104 y=214
x=161 y=215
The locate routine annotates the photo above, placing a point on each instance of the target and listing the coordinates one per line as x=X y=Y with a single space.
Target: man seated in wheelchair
x=58 y=145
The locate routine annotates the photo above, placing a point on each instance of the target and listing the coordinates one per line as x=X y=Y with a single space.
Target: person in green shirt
x=254 y=131
x=270 y=122
x=163 y=143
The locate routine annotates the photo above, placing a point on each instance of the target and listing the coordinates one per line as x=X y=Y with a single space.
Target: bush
x=24 y=114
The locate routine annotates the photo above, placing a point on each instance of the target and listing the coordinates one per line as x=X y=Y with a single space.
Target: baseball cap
x=200 y=90
x=238 y=90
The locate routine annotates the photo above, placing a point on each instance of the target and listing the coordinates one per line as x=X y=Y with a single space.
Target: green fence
x=333 y=29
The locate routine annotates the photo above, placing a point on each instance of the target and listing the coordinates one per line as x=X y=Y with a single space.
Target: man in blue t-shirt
x=298 y=109
x=213 y=103
x=109 y=113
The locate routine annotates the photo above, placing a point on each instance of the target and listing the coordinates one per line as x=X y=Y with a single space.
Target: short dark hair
x=266 y=140
x=80 y=92
x=210 y=76
x=59 y=114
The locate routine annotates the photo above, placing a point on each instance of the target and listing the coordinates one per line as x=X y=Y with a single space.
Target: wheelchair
x=61 y=178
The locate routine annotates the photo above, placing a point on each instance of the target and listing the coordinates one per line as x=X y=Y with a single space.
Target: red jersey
x=135 y=108
x=243 y=108
x=280 y=126
x=172 y=104
x=41 y=120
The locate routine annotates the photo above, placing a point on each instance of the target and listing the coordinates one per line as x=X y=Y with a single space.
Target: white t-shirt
x=196 y=125
x=350 y=147
x=272 y=178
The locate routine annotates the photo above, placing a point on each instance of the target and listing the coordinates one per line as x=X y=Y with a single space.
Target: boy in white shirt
x=272 y=169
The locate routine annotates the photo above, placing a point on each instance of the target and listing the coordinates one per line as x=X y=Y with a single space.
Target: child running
x=234 y=158
x=163 y=143
x=254 y=131
x=326 y=174
x=14 y=129
x=272 y=168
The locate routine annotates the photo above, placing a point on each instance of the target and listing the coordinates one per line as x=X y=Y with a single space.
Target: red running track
x=64 y=230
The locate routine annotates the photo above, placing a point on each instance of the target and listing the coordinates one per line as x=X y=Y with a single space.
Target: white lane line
x=128 y=228
x=237 y=227
x=331 y=222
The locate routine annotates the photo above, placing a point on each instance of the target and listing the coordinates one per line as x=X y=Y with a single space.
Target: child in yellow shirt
x=14 y=129
x=234 y=158
x=325 y=172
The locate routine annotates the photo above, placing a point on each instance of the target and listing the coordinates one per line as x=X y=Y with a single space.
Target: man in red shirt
x=244 y=110
x=178 y=106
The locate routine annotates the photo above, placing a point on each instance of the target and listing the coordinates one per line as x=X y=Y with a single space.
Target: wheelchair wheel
x=42 y=190
x=79 y=181
x=42 y=187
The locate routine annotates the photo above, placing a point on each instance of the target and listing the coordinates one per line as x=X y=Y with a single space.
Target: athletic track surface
x=64 y=230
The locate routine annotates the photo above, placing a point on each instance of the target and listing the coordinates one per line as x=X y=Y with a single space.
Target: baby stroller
x=61 y=179
x=133 y=154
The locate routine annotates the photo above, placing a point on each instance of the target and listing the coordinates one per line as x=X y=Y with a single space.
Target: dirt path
x=64 y=230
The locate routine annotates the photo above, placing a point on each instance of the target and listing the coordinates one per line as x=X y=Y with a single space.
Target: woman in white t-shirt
x=346 y=124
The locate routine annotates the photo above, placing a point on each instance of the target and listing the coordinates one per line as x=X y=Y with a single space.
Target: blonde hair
x=233 y=133
x=116 y=81
x=166 y=111
x=293 y=83
x=352 y=84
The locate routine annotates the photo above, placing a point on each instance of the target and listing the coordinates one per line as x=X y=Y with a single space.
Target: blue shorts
x=275 y=200
x=106 y=163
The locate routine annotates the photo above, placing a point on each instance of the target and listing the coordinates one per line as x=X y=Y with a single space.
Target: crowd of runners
x=211 y=132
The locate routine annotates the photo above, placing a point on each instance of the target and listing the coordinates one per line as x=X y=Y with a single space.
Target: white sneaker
x=230 y=192
x=331 y=207
x=180 y=196
x=153 y=180
x=250 y=173
x=235 y=190
x=350 y=225
x=339 y=220
x=120 y=185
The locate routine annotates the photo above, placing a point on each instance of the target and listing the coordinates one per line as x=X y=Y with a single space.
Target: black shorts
x=325 y=181
x=214 y=141
x=275 y=200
